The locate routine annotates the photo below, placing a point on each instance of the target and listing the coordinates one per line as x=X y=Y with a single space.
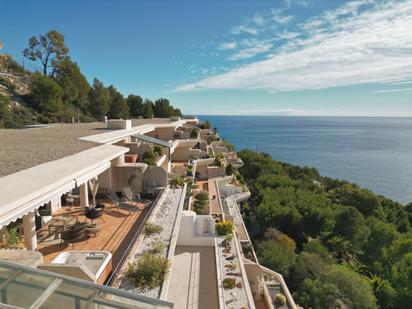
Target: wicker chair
x=74 y=234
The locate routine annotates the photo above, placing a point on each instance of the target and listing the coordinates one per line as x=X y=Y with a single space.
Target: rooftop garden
x=150 y=265
x=234 y=292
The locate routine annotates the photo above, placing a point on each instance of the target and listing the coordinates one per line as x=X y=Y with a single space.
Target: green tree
x=354 y=289
x=317 y=294
x=376 y=247
x=46 y=97
x=350 y=195
x=403 y=281
x=98 y=100
x=384 y=292
x=49 y=49
x=135 y=104
x=74 y=84
x=148 y=109
x=118 y=105
x=307 y=266
x=351 y=225
x=276 y=256
x=162 y=108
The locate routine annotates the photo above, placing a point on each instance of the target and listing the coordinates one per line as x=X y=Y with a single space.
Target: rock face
x=14 y=84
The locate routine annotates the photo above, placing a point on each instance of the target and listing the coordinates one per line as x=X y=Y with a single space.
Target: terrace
x=117 y=229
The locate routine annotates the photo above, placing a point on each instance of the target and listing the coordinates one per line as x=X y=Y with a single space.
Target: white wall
x=165 y=134
x=228 y=189
x=127 y=175
x=184 y=153
x=154 y=177
x=215 y=171
x=196 y=230
x=119 y=124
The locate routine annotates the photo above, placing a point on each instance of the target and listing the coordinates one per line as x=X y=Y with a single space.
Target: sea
x=375 y=153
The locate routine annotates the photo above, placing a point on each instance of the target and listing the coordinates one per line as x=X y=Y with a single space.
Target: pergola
x=154 y=141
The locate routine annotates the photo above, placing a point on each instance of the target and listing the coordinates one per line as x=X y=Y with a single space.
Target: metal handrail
x=132 y=242
x=78 y=283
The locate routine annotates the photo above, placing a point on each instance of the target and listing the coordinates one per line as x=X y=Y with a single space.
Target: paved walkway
x=213 y=196
x=193 y=278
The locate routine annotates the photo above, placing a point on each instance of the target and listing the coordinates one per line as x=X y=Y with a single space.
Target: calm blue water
x=376 y=153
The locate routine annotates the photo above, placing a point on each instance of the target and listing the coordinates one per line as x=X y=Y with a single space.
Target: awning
x=27 y=190
x=92 y=174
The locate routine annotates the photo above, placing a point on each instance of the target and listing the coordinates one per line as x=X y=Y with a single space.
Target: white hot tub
x=95 y=261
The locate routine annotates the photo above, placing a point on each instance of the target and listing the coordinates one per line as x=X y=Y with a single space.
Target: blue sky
x=286 y=57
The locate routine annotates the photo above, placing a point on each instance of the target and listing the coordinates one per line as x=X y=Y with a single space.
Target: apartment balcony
x=115 y=231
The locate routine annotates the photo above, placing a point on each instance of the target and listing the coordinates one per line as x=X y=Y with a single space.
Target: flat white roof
x=29 y=189
x=117 y=135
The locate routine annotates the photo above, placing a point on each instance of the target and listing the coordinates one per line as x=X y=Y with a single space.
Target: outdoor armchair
x=130 y=196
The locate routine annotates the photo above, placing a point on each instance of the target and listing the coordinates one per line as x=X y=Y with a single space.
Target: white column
x=84 y=197
x=29 y=230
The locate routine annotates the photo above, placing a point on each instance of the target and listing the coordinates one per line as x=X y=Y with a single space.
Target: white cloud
x=256 y=30
x=360 y=42
x=251 y=48
x=403 y=82
x=304 y=3
x=244 y=29
x=250 y=52
x=406 y=90
x=279 y=17
x=228 y=45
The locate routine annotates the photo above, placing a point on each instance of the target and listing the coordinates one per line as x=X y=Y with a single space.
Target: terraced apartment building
x=85 y=205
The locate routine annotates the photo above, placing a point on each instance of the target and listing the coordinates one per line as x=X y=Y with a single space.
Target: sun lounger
x=122 y=205
x=130 y=196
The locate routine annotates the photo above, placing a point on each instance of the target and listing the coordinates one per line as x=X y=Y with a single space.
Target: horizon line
x=342 y=116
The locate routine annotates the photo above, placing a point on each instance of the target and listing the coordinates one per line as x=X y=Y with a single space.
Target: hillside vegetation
x=60 y=92
x=335 y=243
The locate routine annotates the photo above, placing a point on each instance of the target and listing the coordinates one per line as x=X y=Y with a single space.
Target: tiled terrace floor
x=117 y=231
x=193 y=278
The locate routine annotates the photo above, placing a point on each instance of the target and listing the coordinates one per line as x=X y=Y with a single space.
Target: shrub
x=223 y=228
x=202 y=196
x=151 y=229
x=13 y=66
x=232 y=267
x=194 y=133
x=13 y=235
x=156 y=246
x=177 y=182
x=229 y=283
x=280 y=299
x=5 y=114
x=229 y=169
x=204 y=125
x=157 y=149
x=149 y=158
x=199 y=206
x=7 y=83
x=149 y=271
